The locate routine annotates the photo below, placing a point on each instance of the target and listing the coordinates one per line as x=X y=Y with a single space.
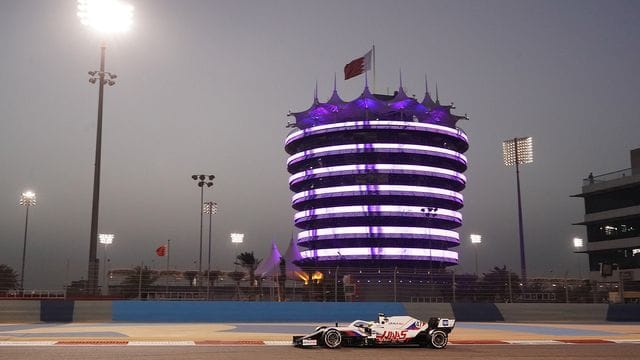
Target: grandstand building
x=612 y=219
x=377 y=181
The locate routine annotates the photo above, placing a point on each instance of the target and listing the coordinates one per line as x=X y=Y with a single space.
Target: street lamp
x=578 y=243
x=476 y=240
x=578 y=246
x=210 y=208
x=518 y=151
x=106 y=240
x=27 y=200
x=106 y=16
x=201 y=182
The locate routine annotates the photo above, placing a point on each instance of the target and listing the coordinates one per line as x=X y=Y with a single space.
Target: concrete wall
x=553 y=312
x=93 y=311
x=12 y=311
x=28 y=311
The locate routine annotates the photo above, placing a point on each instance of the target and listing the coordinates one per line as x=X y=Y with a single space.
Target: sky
x=205 y=86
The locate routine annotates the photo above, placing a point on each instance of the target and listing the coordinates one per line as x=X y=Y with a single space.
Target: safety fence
x=337 y=284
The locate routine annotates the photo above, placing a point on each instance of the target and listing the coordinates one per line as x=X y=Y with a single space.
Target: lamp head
x=106 y=16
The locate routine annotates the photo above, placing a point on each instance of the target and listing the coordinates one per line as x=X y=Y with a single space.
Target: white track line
x=278 y=343
x=27 y=343
x=535 y=342
x=162 y=343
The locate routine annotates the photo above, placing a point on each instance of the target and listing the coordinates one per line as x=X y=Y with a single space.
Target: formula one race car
x=392 y=330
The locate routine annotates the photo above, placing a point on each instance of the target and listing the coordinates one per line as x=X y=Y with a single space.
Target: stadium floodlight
x=106 y=239
x=475 y=238
x=518 y=151
x=27 y=199
x=202 y=182
x=578 y=242
x=237 y=238
x=106 y=16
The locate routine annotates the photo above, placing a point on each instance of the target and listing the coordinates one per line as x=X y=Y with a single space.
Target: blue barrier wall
x=24 y=311
x=476 y=312
x=231 y=311
x=623 y=312
x=56 y=310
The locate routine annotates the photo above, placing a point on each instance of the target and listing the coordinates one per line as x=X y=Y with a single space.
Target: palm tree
x=249 y=262
x=8 y=278
x=140 y=280
x=212 y=276
x=236 y=276
x=191 y=276
x=499 y=284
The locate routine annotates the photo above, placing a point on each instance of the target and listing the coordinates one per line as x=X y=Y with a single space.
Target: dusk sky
x=205 y=86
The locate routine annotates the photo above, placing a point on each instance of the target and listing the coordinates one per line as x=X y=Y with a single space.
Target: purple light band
x=378 y=232
x=380 y=168
x=380 y=253
x=365 y=210
x=363 y=148
x=367 y=190
x=376 y=124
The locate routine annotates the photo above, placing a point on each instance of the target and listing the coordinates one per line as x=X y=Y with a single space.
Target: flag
x=358 y=66
x=162 y=250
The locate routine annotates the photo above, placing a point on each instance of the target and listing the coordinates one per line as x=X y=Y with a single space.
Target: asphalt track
x=272 y=341
x=462 y=352
x=254 y=333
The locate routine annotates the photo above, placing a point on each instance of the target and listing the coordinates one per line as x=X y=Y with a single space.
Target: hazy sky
x=204 y=87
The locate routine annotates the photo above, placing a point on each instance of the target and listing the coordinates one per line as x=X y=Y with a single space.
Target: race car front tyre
x=438 y=339
x=332 y=338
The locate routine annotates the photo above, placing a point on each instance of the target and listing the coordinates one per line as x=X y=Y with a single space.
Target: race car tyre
x=332 y=338
x=438 y=339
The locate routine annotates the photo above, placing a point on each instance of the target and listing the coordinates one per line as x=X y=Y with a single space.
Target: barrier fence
x=345 y=285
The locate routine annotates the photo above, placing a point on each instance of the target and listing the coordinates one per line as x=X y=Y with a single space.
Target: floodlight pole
x=94 y=264
x=24 y=248
x=523 y=263
x=476 y=246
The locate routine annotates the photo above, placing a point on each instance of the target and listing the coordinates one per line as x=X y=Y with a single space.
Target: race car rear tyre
x=438 y=339
x=332 y=338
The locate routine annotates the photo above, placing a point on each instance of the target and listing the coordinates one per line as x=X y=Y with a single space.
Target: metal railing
x=591 y=179
x=33 y=294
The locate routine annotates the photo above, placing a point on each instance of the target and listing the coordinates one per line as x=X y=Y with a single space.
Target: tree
x=499 y=284
x=249 y=262
x=139 y=281
x=191 y=276
x=236 y=276
x=8 y=278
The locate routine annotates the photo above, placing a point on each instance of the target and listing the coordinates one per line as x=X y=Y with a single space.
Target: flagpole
x=168 y=260
x=374 y=68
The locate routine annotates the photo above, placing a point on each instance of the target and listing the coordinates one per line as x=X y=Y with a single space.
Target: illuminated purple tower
x=377 y=181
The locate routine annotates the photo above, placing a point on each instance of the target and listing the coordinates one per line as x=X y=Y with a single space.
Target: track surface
x=462 y=352
x=234 y=332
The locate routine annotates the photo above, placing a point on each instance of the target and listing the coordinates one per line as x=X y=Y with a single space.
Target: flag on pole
x=162 y=250
x=358 y=66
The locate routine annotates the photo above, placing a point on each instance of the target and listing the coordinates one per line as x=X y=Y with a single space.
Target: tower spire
x=437 y=98
x=335 y=86
x=426 y=84
x=401 y=78
x=315 y=93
